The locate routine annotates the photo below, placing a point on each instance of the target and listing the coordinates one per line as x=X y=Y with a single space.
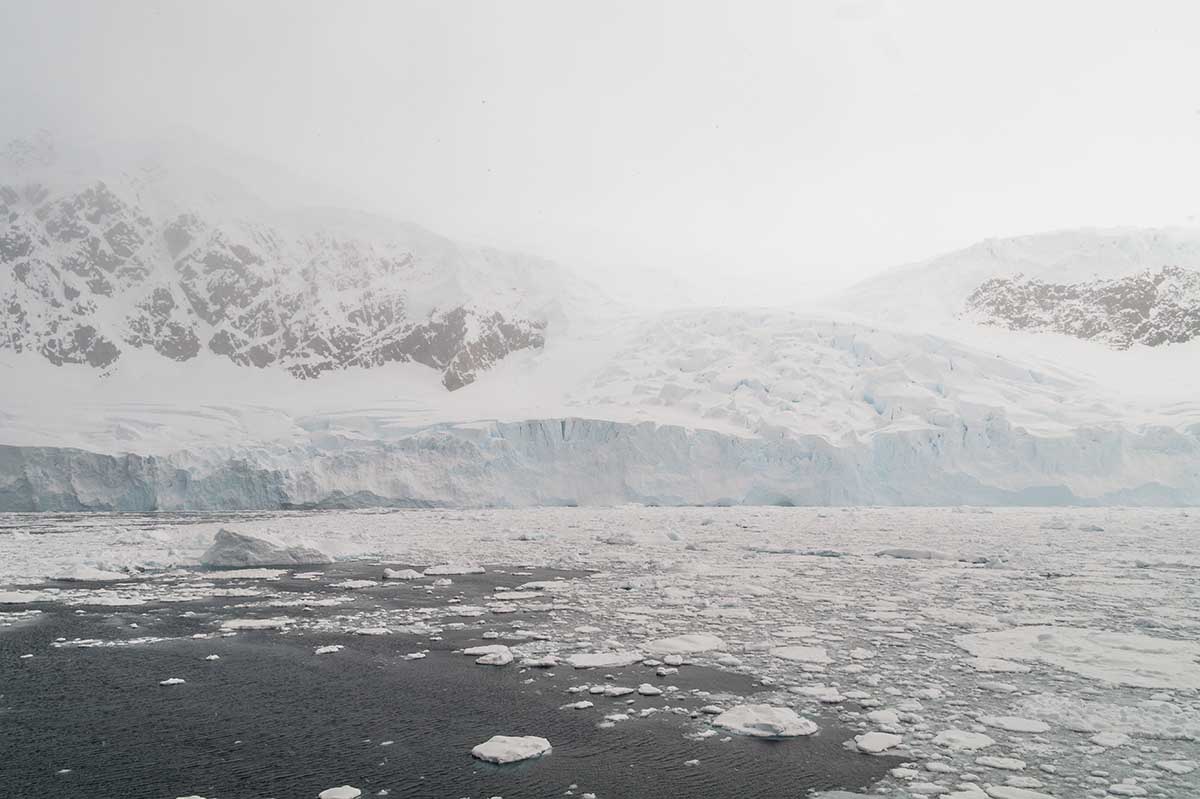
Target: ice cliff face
x=1150 y=308
x=94 y=267
x=589 y=462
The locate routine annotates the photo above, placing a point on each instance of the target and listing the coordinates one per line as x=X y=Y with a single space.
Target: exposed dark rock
x=1151 y=308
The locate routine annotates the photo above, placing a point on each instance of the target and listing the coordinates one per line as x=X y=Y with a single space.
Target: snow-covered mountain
x=939 y=288
x=145 y=253
x=174 y=340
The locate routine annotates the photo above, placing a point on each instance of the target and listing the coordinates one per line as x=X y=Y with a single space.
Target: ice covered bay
x=1051 y=652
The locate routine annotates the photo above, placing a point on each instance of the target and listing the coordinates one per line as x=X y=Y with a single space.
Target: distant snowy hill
x=174 y=339
x=940 y=288
x=166 y=255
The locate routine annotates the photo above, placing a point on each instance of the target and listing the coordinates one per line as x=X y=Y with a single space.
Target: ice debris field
x=1009 y=653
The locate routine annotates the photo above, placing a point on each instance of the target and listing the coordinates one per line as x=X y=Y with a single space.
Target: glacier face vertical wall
x=594 y=462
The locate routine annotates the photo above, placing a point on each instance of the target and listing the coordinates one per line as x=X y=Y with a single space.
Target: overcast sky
x=762 y=149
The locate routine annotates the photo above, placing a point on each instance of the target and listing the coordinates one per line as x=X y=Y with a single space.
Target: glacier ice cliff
x=573 y=461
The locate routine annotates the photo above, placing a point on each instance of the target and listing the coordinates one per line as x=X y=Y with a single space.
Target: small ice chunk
x=1177 y=766
x=23 y=597
x=453 y=569
x=691 y=643
x=802 y=654
x=998 y=665
x=277 y=623
x=603 y=660
x=582 y=704
x=1010 y=792
x=962 y=741
x=876 y=742
x=511 y=748
x=401 y=574
x=81 y=573
x=490 y=654
x=884 y=717
x=1003 y=763
x=329 y=650
x=172 y=681
x=354 y=585
x=340 y=792
x=1110 y=740
x=912 y=554
x=1015 y=724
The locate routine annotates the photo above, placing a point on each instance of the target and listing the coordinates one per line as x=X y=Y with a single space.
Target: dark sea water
x=271 y=719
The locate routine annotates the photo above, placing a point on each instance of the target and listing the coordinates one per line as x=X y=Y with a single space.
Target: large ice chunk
x=232 y=549
x=511 y=748
x=765 y=721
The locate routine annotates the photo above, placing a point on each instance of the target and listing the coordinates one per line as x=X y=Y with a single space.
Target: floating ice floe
x=1131 y=659
x=1015 y=724
x=913 y=554
x=825 y=694
x=603 y=660
x=545 y=662
x=1144 y=718
x=24 y=597
x=230 y=548
x=81 y=573
x=1111 y=740
x=997 y=666
x=277 y=623
x=1177 y=766
x=452 y=569
x=490 y=654
x=401 y=574
x=340 y=792
x=172 y=681
x=764 y=721
x=1011 y=792
x=328 y=650
x=962 y=741
x=875 y=742
x=511 y=748
x=802 y=654
x=354 y=585
x=692 y=643
x=246 y=574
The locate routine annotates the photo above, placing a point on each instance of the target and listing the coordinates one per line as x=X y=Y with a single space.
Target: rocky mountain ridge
x=1151 y=308
x=98 y=266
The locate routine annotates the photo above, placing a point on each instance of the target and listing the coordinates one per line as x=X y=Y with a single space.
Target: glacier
x=284 y=356
x=575 y=461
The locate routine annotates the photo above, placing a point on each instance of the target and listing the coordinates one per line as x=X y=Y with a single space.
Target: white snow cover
x=511 y=748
